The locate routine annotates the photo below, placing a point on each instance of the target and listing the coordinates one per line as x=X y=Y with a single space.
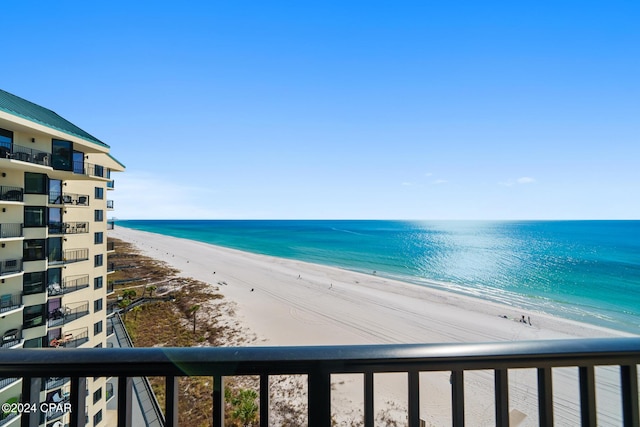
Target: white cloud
x=428 y=174
x=440 y=181
x=520 y=181
x=525 y=180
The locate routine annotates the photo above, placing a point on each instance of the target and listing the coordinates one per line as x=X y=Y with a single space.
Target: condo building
x=55 y=181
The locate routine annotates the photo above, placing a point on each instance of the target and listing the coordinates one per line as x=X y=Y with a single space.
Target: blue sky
x=346 y=109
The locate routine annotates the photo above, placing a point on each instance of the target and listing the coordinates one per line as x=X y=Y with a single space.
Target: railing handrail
x=334 y=359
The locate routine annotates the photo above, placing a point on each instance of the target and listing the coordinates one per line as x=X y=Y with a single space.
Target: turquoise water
x=582 y=270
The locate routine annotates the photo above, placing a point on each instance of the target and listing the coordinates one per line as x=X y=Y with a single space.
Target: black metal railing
x=111 y=246
x=51 y=383
x=75 y=255
x=73 y=199
x=69 y=285
x=110 y=287
x=67 y=314
x=11 y=230
x=10 y=266
x=11 y=194
x=111 y=267
x=71 y=339
x=320 y=363
x=26 y=154
x=75 y=227
x=11 y=338
x=89 y=169
x=10 y=302
x=6 y=381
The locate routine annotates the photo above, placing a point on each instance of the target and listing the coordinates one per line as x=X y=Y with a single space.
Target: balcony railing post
x=629 y=385
x=31 y=393
x=264 y=400
x=414 y=398
x=587 y=396
x=218 y=401
x=545 y=397
x=319 y=396
x=457 y=396
x=502 y=397
x=171 y=401
x=125 y=395
x=368 y=400
x=78 y=401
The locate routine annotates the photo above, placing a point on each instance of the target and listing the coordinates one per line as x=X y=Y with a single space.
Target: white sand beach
x=287 y=302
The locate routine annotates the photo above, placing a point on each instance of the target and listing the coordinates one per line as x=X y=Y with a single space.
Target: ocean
x=587 y=271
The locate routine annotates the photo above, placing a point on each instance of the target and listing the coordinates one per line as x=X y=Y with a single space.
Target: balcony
x=25 y=154
x=11 y=338
x=111 y=246
x=110 y=185
x=54 y=382
x=76 y=227
x=8 y=231
x=10 y=266
x=68 y=199
x=89 y=169
x=110 y=204
x=75 y=255
x=110 y=225
x=70 y=339
x=69 y=285
x=111 y=267
x=10 y=302
x=11 y=194
x=67 y=314
x=320 y=363
x=110 y=287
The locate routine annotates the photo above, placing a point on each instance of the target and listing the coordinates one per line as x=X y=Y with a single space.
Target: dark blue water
x=583 y=270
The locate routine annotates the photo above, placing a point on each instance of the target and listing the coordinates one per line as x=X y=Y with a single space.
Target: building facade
x=55 y=180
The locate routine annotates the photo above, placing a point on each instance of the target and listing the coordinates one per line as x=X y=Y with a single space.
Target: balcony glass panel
x=78 y=162
x=55 y=191
x=61 y=154
x=11 y=194
x=34 y=250
x=34 y=216
x=54 y=250
x=33 y=283
x=34 y=315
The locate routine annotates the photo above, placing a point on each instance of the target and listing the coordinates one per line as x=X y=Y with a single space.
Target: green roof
x=28 y=110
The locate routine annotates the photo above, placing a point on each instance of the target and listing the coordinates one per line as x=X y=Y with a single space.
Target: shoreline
x=288 y=302
x=346 y=283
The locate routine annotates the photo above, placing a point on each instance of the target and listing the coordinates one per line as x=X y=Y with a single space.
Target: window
x=33 y=343
x=6 y=139
x=97 y=328
x=98 y=237
x=99 y=193
x=97 y=282
x=34 y=216
x=55 y=221
x=61 y=152
x=35 y=183
x=33 y=316
x=97 y=395
x=54 y=278
x=33 y=283
x=97 y=260
x=78 y=162
x=54 y=250
x=97 y=305
x=97 y=418
x=55 y=191
x=34 y=250
x=98 y=215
